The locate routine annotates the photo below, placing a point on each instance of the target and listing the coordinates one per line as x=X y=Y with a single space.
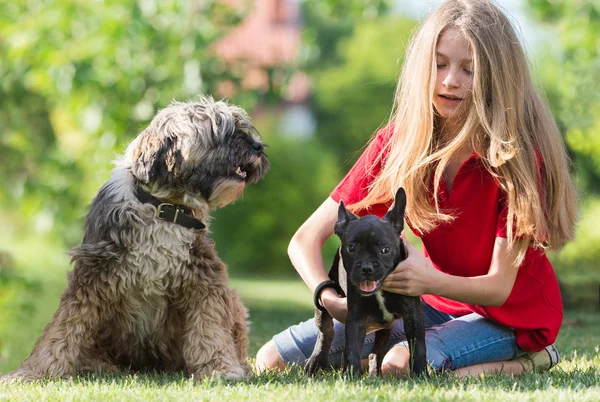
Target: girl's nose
x=450 y=81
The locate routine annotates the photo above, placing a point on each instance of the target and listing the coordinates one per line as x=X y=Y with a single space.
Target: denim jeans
x=452 y=342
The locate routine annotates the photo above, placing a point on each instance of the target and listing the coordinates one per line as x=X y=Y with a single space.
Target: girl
x=488 y=186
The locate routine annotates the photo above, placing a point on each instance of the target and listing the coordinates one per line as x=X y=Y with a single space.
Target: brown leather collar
x=179 y=214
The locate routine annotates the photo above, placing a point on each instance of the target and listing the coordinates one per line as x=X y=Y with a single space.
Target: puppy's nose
x=258 y=146
x=367 y=269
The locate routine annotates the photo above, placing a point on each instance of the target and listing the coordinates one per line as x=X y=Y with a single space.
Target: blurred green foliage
x=569 y=71
x=354 y=97
x=326 y=22
x=17 y=294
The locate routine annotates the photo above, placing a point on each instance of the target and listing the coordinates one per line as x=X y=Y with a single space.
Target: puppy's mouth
x=367 y=288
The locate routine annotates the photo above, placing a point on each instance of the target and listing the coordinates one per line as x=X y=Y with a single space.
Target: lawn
x=273 y=306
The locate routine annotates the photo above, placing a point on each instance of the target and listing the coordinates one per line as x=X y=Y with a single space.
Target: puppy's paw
x=373 y=372
x=315 y=364
x=351 y=371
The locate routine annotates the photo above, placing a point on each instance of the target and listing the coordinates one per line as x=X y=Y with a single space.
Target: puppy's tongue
x=367 y=286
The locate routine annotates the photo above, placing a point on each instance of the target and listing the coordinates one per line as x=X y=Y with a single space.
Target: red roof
x=269 y=36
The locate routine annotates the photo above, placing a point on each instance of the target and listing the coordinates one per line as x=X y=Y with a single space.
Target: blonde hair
x=506 y=123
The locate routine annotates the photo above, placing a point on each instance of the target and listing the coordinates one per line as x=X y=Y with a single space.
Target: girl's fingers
x=396 y=277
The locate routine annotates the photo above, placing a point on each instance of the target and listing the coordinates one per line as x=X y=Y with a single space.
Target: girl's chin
x=449 y=114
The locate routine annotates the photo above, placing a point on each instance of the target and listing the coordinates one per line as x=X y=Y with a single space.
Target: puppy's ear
x=156 y=157
x=344 y=218
x=396 y=215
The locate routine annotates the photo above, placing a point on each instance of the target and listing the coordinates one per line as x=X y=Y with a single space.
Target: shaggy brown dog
x=148 y=291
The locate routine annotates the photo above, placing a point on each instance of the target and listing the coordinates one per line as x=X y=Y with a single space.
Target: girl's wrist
x=327 y=295
x=436 y=285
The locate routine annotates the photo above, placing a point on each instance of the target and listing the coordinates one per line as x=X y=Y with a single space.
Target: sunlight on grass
x=293 y=385
x=277 y=291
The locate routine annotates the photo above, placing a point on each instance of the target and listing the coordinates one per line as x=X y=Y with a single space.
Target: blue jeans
x=452 y=342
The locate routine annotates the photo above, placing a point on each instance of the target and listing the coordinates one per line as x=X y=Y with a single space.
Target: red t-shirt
x=465 y=246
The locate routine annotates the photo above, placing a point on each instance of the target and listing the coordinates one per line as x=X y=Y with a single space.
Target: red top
x=465 y=246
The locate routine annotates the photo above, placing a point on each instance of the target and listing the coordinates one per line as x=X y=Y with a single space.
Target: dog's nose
x=367 y=269
x=258 y=146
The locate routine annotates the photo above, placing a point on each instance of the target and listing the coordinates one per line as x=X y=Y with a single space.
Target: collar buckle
x=159 y=211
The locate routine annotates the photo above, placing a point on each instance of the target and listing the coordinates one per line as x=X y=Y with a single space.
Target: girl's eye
x=350 y=248
x=468 y=72
x=441 y=65
x=385 y=250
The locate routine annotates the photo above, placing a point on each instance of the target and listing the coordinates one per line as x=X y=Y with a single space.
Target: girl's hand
x=413 y=276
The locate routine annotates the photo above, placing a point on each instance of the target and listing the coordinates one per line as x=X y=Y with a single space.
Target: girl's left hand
x=413 y=276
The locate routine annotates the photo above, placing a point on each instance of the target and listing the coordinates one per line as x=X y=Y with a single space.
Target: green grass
x=273 y=306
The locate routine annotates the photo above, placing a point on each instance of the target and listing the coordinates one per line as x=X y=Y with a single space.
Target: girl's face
x=454 y=74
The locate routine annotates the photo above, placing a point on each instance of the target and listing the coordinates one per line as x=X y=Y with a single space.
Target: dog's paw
x=103 y=369
x=234 y=372
x=238 y=373
x=19 y=375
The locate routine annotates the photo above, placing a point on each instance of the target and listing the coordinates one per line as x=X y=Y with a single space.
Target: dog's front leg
x=415 y=335
x=355 y=331
x=240 y=327
x=209 y=346
x=56 y=353
x=382 y=337
x=319 y=359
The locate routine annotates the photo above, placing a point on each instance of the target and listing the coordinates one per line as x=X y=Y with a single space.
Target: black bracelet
x=319 y=289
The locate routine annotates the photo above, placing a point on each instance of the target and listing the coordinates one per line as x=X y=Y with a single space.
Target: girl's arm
x=416 y=276
x=304 y=251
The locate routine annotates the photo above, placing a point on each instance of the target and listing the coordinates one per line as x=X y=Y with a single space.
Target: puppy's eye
x=350 y=248
x=385 y=250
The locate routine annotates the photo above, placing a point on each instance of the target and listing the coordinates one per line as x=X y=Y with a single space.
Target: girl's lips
x=449 y=100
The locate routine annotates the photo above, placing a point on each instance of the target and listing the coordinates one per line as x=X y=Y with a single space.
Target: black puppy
x=371 y=249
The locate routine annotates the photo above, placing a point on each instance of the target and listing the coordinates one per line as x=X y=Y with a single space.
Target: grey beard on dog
x=150 y=294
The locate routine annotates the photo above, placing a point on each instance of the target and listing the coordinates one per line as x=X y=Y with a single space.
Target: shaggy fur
x=147 y=294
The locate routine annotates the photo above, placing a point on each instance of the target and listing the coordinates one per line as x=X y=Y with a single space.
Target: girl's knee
x=396 y=362
x=268 y=358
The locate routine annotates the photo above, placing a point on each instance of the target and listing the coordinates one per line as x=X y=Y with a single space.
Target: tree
x=354 y=97
x=570 y=75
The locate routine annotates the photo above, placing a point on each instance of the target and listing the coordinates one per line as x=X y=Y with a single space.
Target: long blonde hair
x=507 y=124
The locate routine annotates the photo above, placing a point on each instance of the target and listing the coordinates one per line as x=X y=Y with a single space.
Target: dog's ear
x=396 y=215
x=344 y=218
x=155 y=157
